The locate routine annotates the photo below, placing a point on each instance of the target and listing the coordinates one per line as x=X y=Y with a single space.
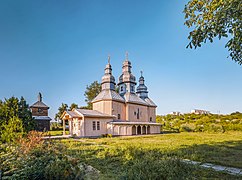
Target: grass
x=115 y=157
x=55 y=133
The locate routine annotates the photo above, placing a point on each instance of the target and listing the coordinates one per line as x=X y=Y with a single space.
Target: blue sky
x=57 y=47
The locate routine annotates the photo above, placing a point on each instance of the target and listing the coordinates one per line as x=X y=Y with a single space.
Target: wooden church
x=40 y=114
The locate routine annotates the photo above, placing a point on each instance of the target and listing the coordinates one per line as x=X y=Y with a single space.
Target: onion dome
x=108 y=80
x=142 y=90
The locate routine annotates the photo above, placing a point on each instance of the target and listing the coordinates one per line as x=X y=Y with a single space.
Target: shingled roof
x=92 y=113
x=39 y=104
x=108 y=95
x=133 y=98
x=76 y=113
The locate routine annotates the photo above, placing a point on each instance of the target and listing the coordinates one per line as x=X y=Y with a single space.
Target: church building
x=129 y=111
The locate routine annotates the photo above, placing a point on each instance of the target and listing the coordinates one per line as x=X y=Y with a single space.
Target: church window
x=150 y=118
x=93 y=125
x=118 y=116
x=138 y=114
x=98 y=125
x=122 y=88
x=40 y=110
x=135 y=113
x=132 y=88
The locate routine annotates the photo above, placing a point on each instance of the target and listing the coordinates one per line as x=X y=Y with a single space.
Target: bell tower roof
x=142 y=90
x=127 y=80
x=39 y=103
x=108 y=80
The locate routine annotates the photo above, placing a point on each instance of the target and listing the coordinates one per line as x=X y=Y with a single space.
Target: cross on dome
x=109 y=59
x=127 y=55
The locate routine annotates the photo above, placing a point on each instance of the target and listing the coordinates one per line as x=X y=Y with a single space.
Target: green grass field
x=55 y=133
x=114 y=156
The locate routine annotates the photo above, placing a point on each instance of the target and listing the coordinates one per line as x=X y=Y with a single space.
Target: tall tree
x=61 y=110
x=72 y=106
x=91 y=92
x=25 y=115
x=209 y=19
x=15 y=117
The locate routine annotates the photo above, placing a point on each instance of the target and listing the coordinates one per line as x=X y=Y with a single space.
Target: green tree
x=12 y=130
x=209 y=19
x=72 y=106
x=15 y=118
x=61 y=110
x=91 y=92
x=25 y=115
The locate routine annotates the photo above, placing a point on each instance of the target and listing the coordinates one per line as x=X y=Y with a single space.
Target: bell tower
x=108 y=80
x=142 y=90
x=127 y=80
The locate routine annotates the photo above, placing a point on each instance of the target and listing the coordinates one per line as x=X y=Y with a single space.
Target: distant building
x=175 y=113
x=198 y=111
x=40 y=114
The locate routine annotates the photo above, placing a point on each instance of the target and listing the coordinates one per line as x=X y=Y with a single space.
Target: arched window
x=122 y=88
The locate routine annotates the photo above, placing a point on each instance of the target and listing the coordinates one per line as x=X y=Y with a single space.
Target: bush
x=34 y=158
x=215 y=128
x=12 y=131
x=107 y=135
x=56 y=126
x=187 y=128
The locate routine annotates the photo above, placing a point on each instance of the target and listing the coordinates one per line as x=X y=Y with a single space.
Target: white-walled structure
x=118 y=113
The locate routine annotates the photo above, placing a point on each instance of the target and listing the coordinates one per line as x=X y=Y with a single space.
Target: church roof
x=76 y=113
x=133 y=98
x=39 y=104
x=108 y=95
x=150 y=102
x=92 y=113
x=42 y=118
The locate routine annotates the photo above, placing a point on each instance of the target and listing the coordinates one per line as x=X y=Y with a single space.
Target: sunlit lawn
x=55 y=133
x=107 y=154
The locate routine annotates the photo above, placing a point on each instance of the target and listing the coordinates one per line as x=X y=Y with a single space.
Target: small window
x=138 y=114
x=122 y=88
x=98 y=125
x=134 y=113
x=132 y=88
x=93 y=125
x=150 y=118
x=119 y=116
x=40 y=110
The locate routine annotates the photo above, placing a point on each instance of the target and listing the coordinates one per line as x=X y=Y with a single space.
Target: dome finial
x=127 y=55
x=141 y=72
x=109 y=58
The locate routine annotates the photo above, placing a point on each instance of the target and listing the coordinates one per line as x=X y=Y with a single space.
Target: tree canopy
x=209 y=19
x=91 y=92
x=61 y=110
x=15 y=119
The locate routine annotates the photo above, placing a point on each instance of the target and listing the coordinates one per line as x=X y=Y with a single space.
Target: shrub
x=56 y=126
x=34 y=158
x=215 y=128
x=12 y=130
x=188 y=127
x=107 y=135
